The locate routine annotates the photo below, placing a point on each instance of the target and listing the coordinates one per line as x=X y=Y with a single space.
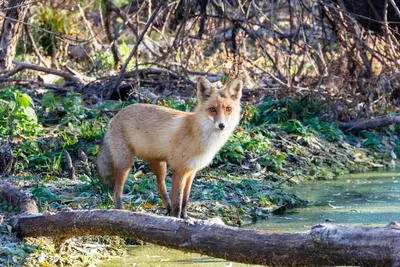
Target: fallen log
x=368 y=124
x=324 y=245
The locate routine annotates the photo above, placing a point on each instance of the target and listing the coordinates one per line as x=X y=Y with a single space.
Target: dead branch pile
x=342 y=52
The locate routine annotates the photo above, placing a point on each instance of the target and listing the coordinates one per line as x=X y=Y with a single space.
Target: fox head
x=221 y=106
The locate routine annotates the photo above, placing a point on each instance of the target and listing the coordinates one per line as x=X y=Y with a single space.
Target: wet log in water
x=324 y=245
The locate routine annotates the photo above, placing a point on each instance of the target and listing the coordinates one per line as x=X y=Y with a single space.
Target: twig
x=65 y=39
x=23 y=65
x=276 y=79
x=395 y=7
x=34 y=46
x=134 y=29
x=92 y=34
x=140 y=38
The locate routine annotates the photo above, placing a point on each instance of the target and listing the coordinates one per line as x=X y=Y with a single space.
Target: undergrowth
x=246 y=181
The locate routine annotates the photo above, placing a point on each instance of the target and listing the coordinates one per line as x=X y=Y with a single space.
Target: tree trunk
x=324 y=245
x=10 y=31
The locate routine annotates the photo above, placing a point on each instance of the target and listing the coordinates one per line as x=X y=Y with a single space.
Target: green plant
x=177 y=104
x=53 y=164
x=270 y=111
x=274 y=162
x=240 y=144
x=54 y=20
x=331 y=131
x=73 y=104
x=43 y=195
x=93 y=129
x=371 y=140
x=294 y=127
x=17 y=116
x=50 y=101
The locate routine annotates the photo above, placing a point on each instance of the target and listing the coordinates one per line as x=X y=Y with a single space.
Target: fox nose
x=221 y=126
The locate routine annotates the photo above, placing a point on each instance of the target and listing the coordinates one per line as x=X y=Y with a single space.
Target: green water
x=155 y=256
x=370 y=199
x=356 y=199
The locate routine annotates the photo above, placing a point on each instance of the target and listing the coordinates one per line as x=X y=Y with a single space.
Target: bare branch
x=23 y=65
x=140 y=38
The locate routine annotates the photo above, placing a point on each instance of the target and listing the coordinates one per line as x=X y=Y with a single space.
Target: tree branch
x=140 y=38
x=19 y=66
x=368 y=124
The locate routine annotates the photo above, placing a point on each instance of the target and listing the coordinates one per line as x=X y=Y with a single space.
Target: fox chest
x=210 y=147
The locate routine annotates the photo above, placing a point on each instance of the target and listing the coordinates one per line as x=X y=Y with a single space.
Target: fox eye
x=228 y=109
x=212 y=110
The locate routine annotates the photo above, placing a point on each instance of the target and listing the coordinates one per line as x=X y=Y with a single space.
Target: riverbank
x=249 y=179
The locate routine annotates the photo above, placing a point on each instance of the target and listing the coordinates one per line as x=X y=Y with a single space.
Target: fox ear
x=234 y=88
x=204 y=89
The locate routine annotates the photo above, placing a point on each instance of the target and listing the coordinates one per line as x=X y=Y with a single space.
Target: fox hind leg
x=160 y=170
x=121 y=168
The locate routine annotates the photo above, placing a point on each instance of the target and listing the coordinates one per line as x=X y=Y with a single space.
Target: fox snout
x=219 y=125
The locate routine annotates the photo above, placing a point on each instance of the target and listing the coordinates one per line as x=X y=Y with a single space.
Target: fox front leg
x=178 y=185
x=186 y=194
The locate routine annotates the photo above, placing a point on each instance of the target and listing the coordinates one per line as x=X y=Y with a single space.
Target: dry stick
x=123 y=16
x=395 y=7
x=282 y=77
x=92 y=35
x=375 y=53
x=65 y=39
x=276 y=79
x=34 y=46
x=23 y=65
x=389 y=33
x=134 y=50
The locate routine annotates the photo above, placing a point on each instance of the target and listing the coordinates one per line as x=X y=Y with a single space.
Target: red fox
x=187 y=141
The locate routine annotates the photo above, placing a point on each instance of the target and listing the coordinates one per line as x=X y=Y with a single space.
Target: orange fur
x=187 y=141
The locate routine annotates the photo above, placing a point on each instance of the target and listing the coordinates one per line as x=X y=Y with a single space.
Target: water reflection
x=356 y=199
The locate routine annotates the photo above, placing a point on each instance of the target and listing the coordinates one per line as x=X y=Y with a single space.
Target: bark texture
x=10 y=31
x=368 y=124
x=324 y=245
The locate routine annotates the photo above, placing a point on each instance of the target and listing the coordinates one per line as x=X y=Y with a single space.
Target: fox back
x=187 y=141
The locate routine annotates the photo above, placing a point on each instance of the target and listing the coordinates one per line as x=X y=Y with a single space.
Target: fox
x=186 y=141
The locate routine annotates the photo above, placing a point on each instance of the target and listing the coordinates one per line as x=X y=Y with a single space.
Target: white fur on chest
x=212 y=141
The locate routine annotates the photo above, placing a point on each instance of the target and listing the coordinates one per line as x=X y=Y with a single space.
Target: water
x=156 y=256
x=356 y=199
